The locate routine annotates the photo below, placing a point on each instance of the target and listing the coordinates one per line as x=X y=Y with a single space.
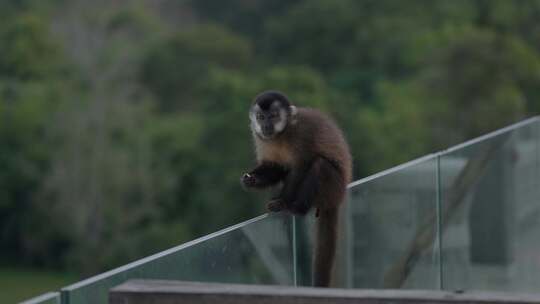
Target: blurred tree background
x=123 y=124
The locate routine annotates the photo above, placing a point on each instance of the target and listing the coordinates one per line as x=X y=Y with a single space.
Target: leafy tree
x=31 y=72
x=240 y=16
x=481 y=81
x=174 y=67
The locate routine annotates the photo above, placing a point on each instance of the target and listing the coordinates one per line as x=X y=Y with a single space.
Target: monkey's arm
x=264 y=175
x=306 y=191
x=290 y=190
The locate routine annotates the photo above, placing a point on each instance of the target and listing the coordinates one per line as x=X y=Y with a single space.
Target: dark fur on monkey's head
x=267 y=98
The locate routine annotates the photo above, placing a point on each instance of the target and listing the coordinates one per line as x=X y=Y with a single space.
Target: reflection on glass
x=258 y=251
x=393 y=225
x=491 y=213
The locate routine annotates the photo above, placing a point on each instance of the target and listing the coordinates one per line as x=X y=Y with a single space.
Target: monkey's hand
x=267 y=174
x=275 y=205
x=249 y=180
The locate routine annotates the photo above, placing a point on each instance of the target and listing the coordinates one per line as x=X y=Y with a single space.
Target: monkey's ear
x=294 y=111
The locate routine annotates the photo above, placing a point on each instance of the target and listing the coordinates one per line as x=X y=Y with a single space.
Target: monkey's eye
x=260 y=116
x=273 y=115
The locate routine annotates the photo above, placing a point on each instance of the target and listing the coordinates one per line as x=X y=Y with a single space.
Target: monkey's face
x=269 y=120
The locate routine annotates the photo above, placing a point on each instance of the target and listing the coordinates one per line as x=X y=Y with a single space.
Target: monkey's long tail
x=325 y=247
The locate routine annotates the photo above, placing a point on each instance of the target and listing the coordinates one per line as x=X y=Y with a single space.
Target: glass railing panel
x=490 y=194
x=258 y=251
x=47 y=298
x=389 y=237
x=305 y=238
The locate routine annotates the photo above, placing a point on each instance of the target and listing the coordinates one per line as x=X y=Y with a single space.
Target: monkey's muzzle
x=267 y=131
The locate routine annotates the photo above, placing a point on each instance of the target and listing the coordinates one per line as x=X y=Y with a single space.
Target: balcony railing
x=464 y=218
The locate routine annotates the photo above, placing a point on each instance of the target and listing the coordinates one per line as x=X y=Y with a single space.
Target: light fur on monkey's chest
x=275 y=152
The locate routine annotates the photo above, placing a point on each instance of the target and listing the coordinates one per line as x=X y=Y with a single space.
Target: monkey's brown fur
x=314 y=156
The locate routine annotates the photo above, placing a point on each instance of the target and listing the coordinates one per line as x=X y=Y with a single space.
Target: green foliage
x=132 y=118
x=235 y=14
x=396 y=132
x=309 y=34
x=30 y=84
x=480 y=74
x=27 y=51
x=175 y=67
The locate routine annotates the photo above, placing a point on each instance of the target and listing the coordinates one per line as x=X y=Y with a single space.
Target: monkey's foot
x=275 y=205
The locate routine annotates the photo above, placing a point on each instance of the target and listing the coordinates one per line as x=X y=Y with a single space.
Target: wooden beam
x=169 y=292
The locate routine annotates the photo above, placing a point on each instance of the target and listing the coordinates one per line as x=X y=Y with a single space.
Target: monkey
x=303 y=151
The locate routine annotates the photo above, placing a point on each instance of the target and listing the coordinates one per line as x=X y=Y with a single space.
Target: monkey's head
x=270 y=114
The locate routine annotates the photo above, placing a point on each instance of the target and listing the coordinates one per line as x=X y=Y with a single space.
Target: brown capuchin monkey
x=305 y=152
